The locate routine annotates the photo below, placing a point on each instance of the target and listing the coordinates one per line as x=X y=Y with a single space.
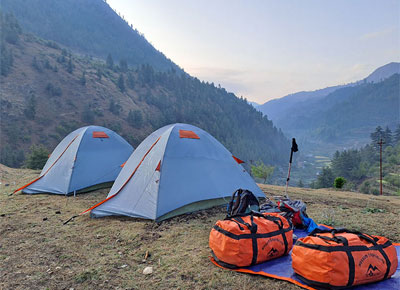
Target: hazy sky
x=267 y=49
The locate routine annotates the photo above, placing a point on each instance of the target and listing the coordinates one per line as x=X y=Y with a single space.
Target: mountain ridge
x=276 y=107
x=47 y=91
x=89 y=27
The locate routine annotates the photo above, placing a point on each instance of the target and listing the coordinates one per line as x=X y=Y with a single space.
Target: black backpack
x=243 y=201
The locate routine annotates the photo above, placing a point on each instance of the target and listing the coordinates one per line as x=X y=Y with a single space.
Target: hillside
x=277 y=109
x=89 y=27
x=46 y=91
x=343 y=118
x=383 y=72
x=347 y=113
x=38 y=251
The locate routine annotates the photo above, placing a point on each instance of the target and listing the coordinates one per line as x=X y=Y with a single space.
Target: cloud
x=377 y=34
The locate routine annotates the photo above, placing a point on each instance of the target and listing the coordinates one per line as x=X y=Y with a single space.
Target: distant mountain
x=351 y=112
x=383 y=72
x=277 y=109
x=89 y=27
x=46 y=92
x=340 y=115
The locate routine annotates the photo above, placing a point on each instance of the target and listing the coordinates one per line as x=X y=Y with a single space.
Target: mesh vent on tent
x=99 y=134
x=188 y=134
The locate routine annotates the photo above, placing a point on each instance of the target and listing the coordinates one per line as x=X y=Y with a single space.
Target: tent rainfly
x=88 y=158
x=177 y=169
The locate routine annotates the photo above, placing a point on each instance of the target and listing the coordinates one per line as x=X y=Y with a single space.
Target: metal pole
x=288 y=177
x=380 y=163
x=293 y=149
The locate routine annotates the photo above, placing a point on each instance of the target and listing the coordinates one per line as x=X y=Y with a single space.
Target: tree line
x=360 y=167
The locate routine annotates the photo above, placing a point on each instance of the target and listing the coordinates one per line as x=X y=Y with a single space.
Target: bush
x=135 y=118
x=11 y=157
x=365 y=187
x=53 y=90
x=114 y=107
x=37 y=158
x=87 y=115
x=339 y=182
x=262 y=171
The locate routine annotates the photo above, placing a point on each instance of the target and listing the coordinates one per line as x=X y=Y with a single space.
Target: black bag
x=242 y=202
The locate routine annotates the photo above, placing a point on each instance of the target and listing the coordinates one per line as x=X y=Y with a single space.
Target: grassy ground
x=38 y=252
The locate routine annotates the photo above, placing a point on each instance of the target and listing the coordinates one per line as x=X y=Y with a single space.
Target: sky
x=262 y=49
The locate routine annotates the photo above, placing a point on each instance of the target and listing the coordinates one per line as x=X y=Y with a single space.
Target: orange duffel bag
x=342 y=258
x=245 y=240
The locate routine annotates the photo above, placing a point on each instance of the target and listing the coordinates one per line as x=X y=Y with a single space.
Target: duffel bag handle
x=317 y=231
x=273 y=219
x=253 y=227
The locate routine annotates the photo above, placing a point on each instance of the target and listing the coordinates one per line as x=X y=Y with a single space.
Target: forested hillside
x=46 y=91
x=360 y=167
x=350 y=112
x=89 y=27
x=342 y=116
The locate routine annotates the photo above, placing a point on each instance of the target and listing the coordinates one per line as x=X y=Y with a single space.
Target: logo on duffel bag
x=371 y=271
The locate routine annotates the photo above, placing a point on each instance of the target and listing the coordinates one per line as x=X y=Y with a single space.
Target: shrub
x=339 y=182
x=262 y=171
x=365 y=187
x=87 y=115
x=121 y=83
x=135 y=118
x=114 y=107
x=53 y=90
x=37 y=157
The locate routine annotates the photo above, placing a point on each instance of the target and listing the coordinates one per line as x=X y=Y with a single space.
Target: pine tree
x=37 y=158
x=130 y=81
x=99 y=74
x=70 y=66
x=30 y=110
x=325 y=178
x=83 y=78
x=396 y=137
x=387 y=137
x=376 y=136
x=135 y=118
x=110 y=61
x=121 y=83
x=123 y=65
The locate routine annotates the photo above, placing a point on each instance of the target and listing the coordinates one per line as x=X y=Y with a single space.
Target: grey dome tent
x=86 y=159
x=177 y=169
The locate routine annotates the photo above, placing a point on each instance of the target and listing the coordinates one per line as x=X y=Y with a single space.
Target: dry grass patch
x=38 y=251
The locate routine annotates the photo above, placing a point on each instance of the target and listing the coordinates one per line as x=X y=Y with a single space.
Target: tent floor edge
x=194 y=207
